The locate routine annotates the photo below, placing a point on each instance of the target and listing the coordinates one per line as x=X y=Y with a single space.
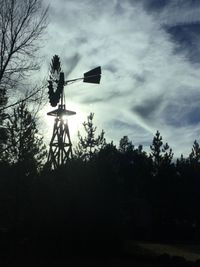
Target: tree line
x=104 y=191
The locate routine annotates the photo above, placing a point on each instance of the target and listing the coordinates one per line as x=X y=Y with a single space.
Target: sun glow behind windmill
x=60 y=145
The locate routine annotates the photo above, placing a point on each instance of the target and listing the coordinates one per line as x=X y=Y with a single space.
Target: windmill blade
x=55 y=68
x=93 y=76
x=55 y=64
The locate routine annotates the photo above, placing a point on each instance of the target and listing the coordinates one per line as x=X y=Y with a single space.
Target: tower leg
x=60 y=150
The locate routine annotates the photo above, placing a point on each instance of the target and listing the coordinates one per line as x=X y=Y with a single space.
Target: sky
x=149 y=52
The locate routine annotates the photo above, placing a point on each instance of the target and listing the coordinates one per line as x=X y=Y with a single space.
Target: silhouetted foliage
x=24 y=147
x=161 y=154
x=194 y=156
x=125 y=145
x=89 y=145
x=105 y=194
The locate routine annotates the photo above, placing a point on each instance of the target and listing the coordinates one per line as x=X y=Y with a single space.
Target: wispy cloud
x=146 y=85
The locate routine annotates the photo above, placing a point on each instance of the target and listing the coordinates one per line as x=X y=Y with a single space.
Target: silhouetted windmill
x=60 y=145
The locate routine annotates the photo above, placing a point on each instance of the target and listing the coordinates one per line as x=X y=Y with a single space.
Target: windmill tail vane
x=92 y=76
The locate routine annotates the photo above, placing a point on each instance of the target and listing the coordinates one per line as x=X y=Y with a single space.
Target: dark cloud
x=193 y=117
x=140 y=79
x=80 y=40
x=159 y=5
x=71 y=62
x=119 y=9
x=119 y=124
x=137 y=134
x=156 y=4
x=105 y=98
x=179 y=115
x=110 y=67
x=148 y=108
x=190 y=3
x=187 y=38
x=153 y=5
x=124 y=126
x=172 y=115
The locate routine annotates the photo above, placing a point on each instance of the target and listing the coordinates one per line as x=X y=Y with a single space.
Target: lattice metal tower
x=60 y=147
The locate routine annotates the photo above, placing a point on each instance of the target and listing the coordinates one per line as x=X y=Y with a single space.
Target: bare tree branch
x=22 y=24
x=34 y=93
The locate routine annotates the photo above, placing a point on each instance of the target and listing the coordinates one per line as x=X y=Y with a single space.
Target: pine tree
x=168 y=154
x=161 y=154
x=89 y=145
x=126 y=149
x=156 y=149
x=24 y=146
x=125 y=145
x=194 y=156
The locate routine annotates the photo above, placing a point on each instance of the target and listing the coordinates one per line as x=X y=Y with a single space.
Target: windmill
x=60 y=147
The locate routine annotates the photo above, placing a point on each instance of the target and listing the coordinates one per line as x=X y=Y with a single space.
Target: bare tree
x=35 y=95
x=22 y=23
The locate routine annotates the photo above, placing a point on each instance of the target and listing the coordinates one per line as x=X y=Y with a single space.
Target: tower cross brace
x=60 y=147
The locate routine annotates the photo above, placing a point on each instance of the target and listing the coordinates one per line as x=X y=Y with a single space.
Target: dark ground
x=103 y=253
